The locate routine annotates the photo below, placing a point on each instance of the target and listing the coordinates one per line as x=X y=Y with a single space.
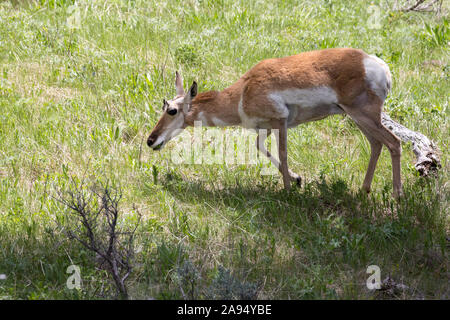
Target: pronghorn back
x=310 y=85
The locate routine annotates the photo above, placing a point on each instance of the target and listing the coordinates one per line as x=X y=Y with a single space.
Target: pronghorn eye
x=172 y=112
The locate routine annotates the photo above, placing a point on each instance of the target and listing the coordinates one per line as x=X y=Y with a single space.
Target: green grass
x=80 y=102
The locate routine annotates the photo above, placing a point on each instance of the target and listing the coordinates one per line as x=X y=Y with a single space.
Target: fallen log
x=427 y=159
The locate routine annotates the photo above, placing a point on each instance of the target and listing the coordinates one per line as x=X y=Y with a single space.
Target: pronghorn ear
x=179 y=84
x=193 y=90
x=189 y=96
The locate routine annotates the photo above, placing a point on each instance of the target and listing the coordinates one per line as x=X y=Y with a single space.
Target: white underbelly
x=303 y=105
x=299 y=114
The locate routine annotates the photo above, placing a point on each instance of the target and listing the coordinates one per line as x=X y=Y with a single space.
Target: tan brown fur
x=349 y=76
x=221 y=104
x=340 y=69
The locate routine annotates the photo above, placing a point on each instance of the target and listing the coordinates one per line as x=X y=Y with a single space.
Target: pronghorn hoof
x=297 y=179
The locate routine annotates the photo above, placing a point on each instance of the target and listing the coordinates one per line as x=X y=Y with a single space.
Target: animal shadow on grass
x=421 y=204
x=325 y=221
x=314 y=198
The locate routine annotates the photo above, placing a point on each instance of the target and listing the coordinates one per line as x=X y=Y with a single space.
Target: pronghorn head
x=172 y=121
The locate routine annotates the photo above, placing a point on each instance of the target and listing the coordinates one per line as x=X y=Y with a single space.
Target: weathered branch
x=427 y=158
x=414 y=6
x=422 y=5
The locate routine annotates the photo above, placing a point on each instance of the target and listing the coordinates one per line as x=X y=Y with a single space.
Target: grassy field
x=80 y=83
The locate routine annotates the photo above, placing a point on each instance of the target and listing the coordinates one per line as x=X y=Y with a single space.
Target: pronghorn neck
x=215 y=108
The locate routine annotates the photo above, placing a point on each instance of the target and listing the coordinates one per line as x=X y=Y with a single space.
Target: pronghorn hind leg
x=368 y=116
x=262 y=136
x=375 y=150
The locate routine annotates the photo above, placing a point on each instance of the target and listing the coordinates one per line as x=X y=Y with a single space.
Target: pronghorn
x=281 y=93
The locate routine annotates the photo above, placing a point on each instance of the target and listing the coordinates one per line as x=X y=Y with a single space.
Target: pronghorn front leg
x=282 y=153
x=262 y=136
x=288 y=175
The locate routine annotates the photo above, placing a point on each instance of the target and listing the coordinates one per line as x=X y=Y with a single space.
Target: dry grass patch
x=29 y=79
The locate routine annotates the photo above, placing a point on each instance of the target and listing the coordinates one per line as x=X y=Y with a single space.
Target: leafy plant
x=438 y=35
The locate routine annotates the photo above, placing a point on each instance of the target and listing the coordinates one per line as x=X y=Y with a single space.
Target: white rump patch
x=378 y=76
